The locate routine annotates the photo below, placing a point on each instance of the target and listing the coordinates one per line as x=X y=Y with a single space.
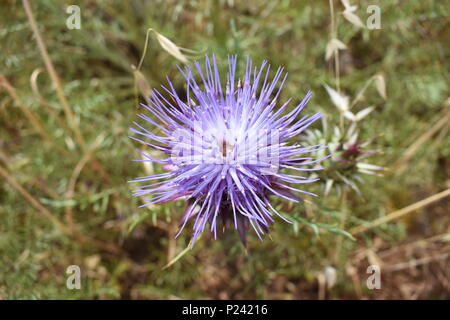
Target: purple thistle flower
x=224 y=150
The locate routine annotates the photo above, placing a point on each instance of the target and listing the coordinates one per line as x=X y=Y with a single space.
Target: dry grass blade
x=52 y=72
x=59 y=91
x=40 y=98
x=416 y=262
x=399 y=213
x=425 y=242
x=141 y=85
x=168 y=45
x=56 y=222
x=400 y=165
x=361 y=92
x=336 y=53
x=76 y=173
x=35 y=122
x=40 y=208
x=381 y=85
x=39 y=183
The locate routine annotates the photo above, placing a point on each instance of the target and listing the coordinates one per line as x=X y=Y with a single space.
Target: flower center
x=225 y=148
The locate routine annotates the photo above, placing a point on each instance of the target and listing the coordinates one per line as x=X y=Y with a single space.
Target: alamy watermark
x=73 y=281
x=374 y=20
x=74 y=19
x=374 y=280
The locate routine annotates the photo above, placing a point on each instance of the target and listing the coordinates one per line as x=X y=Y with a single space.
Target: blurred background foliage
x=121 y=249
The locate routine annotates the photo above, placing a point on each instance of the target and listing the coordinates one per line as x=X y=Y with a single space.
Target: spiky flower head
x=226 y=151
x=349 y=162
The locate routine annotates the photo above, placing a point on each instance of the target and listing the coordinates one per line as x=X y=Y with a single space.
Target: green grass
x=411 y=51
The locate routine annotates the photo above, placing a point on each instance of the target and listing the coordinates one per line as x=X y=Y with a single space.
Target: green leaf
x=305 y=222
x=334 y=229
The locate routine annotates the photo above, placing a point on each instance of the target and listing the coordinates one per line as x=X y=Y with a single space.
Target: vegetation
x=65 y=152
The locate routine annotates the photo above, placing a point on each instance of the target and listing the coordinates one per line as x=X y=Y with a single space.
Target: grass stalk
x=400 y=213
